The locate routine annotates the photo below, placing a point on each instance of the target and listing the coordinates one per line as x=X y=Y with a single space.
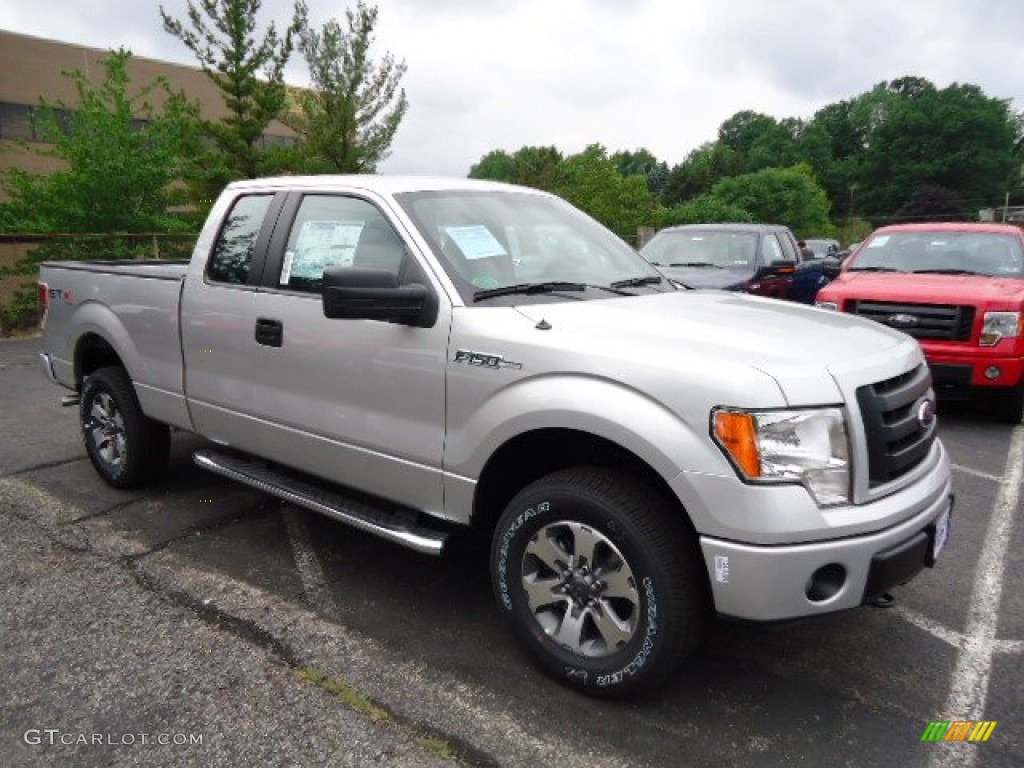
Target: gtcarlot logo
x=54 y=736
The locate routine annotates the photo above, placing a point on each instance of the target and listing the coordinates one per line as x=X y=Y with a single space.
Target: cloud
x=660 y=74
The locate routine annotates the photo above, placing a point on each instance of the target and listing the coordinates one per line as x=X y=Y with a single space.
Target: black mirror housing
x=375 y=294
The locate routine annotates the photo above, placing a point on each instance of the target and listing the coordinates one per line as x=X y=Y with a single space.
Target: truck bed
x=133 y=307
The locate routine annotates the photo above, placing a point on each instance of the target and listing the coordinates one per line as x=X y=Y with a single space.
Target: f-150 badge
x=481 y=360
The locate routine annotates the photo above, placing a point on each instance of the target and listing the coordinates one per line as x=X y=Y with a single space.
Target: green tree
x=700 y=171
x=955 y=137
x=538 y=167
x=703 y=209
x=497 y=165
x=348 y=119
x=591 y=182
x=249 y=74
x=642 y=163
x=120 y=156
x=787 y=196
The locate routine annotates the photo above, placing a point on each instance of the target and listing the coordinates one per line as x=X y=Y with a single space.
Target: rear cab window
x=232 y=254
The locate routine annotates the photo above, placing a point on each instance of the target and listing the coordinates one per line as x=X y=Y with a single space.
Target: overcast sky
x=659 y=74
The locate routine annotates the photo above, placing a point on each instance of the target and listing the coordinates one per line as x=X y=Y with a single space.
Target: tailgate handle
x=269 y=333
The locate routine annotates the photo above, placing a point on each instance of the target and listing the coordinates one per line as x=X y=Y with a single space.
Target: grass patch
x=359 y=702
x=345 y=693
x=438 y=747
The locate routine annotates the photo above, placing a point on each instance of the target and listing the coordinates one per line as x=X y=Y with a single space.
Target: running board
x=395 y=525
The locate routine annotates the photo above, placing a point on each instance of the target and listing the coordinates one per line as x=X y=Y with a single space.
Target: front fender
x=601 y=407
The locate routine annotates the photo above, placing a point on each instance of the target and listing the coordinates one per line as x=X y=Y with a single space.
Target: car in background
x=827 y=251
x=762 y=259
x=823 y=247
x=958 y=288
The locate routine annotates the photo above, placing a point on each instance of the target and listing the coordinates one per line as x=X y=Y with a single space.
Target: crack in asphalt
x=247 y=630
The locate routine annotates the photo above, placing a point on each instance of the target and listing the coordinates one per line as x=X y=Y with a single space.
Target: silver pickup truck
x=406 y=355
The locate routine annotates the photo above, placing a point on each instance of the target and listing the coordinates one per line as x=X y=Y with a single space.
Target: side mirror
x=780 y=267
x=375 y=294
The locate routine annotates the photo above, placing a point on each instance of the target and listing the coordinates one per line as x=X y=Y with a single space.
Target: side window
x=772 y=249
x=789 y=248
x=336 y=231
x=232 y=253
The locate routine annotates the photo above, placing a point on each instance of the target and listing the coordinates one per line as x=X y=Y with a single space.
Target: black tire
x=127 y=448
x=1008 y=404
x=653 y=601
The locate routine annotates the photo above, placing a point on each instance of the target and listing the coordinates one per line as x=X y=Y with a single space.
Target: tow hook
x=884 y=600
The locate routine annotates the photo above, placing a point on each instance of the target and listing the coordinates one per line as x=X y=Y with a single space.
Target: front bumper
x=956 y=372
x=771 y=583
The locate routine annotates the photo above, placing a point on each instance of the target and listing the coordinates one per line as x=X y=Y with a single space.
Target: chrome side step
x=396 y=525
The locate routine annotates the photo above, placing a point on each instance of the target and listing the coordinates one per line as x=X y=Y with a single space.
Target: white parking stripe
x=971 y=676
x=976 y=472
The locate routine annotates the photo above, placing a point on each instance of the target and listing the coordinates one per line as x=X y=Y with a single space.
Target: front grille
x=947 y=322
x=898 y=438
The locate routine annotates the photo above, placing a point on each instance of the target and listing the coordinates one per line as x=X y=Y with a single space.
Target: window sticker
x=321 y=244
x=476 y=242
x=286 y=269
x=879 y=242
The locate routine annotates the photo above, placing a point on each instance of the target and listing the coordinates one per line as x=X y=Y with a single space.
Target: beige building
x=31 y=67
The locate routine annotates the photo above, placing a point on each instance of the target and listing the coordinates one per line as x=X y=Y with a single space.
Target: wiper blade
x=945 y=272
x=875 y=269
x=635 y=282
x=694 y=264
x=508 y=290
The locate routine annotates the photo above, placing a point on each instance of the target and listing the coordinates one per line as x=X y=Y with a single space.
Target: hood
x=708 y=277
x=722 y=337
x=930 y=289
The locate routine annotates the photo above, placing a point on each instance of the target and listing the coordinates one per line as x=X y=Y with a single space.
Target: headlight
x=800 y=446
x=998 y=326
x=834 y=306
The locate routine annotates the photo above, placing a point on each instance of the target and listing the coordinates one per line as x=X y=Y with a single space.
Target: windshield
x=682 y=248
x=493 y=240
x=982 y=253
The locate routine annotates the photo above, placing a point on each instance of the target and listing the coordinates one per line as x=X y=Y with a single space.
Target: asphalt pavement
x=202 y=623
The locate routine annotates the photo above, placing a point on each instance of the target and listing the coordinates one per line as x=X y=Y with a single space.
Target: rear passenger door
x=217 y=310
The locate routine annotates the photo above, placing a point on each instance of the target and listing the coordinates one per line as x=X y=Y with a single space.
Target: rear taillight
x=44 y=303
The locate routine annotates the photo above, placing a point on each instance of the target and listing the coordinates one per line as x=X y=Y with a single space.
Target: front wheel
x=600 y=579
x=127 y=448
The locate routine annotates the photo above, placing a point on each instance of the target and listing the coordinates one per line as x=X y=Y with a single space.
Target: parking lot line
x=969 y=685
x=977 y=473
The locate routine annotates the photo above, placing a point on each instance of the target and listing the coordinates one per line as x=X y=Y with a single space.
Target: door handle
x=269 y=333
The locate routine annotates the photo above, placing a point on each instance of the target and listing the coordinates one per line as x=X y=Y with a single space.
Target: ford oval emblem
x=926 y=413
x=902 y=321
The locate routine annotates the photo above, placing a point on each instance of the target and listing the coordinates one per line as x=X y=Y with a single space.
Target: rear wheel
x=600 y=579
x=127 y=448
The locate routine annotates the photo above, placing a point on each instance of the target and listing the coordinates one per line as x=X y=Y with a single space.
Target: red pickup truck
x=958 y=288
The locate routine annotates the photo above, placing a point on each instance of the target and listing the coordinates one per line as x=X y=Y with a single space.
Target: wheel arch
x=531 y=455
x=92 y=352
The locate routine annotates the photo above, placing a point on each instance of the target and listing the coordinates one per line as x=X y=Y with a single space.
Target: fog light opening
x=992 y=372
x=826 y=582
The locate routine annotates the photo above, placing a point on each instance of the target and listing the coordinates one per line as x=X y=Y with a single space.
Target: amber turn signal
x=735 y=432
